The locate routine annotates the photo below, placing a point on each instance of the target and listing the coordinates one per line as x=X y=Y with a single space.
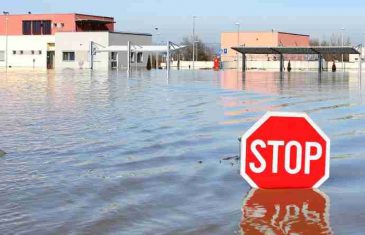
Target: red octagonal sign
x=285 y=150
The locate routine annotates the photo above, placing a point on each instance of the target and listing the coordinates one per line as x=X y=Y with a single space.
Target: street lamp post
x=238 y=42
x=343 y=66
x=194 y=18
x=6 y=39
x=157 y=34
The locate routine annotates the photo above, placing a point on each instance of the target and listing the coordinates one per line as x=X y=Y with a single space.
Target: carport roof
x=297 y=50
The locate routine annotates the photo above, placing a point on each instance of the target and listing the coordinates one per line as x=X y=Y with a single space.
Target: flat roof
x=297 y=50
x=269 y=31
x=132 y=33
x=70 y=13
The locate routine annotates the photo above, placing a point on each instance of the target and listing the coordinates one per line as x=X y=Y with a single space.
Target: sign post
x=285 y=150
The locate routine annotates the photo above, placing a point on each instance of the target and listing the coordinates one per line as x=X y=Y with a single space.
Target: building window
x=32 y=51
x=68 y=56
x=36 y=27
x=39 y=52
x=46 y=27
x=132 y=57
x=14 y=52
x=2 y=55
x=113 y=55
x=139 y=57
x=21 y=52
x=27 y=27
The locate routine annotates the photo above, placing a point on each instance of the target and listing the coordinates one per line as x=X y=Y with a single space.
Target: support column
x=168 y=56
x=281 y=62
x=320 y=62
x=91 y=54
x=360 y=62
x=129 y=57
x=244 y=62
x=117 y=60
x=157 y=60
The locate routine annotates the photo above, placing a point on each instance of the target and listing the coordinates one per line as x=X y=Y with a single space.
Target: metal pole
x=320 y=63
x=129 y=57
x=281 y=63
x=91 y=54
x=168 y=56
x=117 y=61
x=6 y=41
x=238 y=43
x=243 y=62
x=168 y=59
x=343 y=66
x=194 y=41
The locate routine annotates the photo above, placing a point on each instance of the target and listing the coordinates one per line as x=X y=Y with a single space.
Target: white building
x=63 y=41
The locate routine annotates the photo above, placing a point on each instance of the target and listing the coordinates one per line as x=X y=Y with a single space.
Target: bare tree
x=203 y=52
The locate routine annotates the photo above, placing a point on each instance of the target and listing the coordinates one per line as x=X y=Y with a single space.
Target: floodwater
x=100 y=153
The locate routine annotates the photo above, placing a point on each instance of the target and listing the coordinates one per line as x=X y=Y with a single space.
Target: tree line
x=334 y=40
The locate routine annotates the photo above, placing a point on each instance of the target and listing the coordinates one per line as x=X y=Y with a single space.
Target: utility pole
x=343 y=66
x=238 y=43
x=194 y=18
x=6 y=13
x=157 y=34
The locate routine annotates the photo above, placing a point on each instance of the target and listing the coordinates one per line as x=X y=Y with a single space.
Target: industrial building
x=63 y=41
x=261 y=39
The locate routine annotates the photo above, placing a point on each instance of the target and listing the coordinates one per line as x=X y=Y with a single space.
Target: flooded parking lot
x=98 y=152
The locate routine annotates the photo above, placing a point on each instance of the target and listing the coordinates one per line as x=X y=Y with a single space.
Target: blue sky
x=174 y=18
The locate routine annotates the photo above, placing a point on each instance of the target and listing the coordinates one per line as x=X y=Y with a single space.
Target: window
x=32 y=51
x=27 y=27
x=46 y=27
x=2 y=55
x=113 y=55
x=21 y=52
x=14 y=52
x=68 y=56
x=139 y=57
x=36 y=27
x=39 y=52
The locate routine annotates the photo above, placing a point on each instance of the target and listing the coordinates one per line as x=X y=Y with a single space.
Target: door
x=50 y=59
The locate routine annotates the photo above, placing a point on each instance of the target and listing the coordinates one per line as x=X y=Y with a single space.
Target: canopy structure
x=318 y=50
x=133 y=48
x=129 y=48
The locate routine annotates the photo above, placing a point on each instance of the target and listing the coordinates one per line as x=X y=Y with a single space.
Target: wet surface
x=102 y=153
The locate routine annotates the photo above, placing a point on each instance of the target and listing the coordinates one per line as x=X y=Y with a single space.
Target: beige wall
x=260 y=39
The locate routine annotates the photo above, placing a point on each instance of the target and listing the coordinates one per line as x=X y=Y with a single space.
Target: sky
x=318 y=18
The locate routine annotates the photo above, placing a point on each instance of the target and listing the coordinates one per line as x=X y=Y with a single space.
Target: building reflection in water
x=288 y=211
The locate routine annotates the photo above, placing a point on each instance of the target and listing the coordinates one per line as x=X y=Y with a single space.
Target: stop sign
x=285 y=150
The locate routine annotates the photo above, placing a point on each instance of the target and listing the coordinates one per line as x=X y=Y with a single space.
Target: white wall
x=26 y=44
x=185 y=64
x=296 y=65
x=275 y=65
x=79 y=42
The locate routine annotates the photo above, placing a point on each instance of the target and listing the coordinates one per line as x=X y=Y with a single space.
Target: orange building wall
x=260 y=39
x=15 y=22
x=69 y=20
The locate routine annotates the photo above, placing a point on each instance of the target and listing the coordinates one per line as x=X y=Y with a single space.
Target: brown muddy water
x=100 y=153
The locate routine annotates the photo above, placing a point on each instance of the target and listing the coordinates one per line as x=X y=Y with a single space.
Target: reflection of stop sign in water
x=289 y=211
x=285 y=150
